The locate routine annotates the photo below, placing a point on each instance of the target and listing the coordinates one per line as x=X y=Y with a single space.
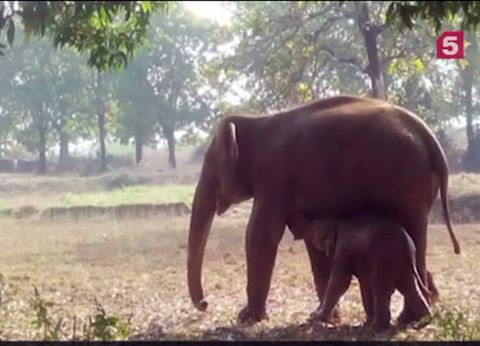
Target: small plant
x=106 y=328
x=43 y=320
x=68 y=198
x=455 y=325
x=98 y=327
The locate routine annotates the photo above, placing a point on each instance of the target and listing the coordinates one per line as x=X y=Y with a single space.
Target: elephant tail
x=446 y=212
x=440 y=167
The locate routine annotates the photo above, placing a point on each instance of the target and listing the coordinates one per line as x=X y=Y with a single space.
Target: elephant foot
x=406 y=317
x=335 y=316
x=319 y=315
x=250 y=316
x=368 y=323
x=378 y=326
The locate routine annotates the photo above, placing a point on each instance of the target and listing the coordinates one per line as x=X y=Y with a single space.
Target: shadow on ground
x=290 y=332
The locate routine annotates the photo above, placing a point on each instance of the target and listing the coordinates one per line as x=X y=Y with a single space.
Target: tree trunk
x=2 y=146
x=101 y=124
x=169 y=136
x=138 y=147
x=102 y=135
x=64 y=149
x=370 y=34
x=467 y=87
x=42 y=150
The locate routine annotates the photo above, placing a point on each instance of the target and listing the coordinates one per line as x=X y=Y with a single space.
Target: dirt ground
x=136 y=270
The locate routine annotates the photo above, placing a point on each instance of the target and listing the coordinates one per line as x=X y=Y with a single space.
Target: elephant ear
x=324 y=234
x=231 y=145
x=228 y=155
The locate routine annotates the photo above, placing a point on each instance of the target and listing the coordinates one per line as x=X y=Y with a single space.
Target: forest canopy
x=142 y=72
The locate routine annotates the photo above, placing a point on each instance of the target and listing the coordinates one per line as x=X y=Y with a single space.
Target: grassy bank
x=131 y=194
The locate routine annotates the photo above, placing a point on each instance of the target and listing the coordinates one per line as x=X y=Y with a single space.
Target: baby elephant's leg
x=321 y=268
x=337 y=286
x=367 y=300
x=381 y=320
x=383 y=288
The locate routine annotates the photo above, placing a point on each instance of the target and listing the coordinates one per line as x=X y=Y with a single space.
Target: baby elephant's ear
x=323 y=234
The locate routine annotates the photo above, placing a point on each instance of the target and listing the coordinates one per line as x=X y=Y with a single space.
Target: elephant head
x=223 y=181
x=322 y=234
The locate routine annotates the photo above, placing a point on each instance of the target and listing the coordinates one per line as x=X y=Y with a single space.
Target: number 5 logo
x=450 y=45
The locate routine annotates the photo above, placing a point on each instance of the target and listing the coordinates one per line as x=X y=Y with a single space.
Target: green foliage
x=101 y=326
x=107 y=328
x=161 y=90
x=292 y=53
x=407 y=13
x=455 y=325
x=182 y=76
x=289 y=52
x=44 y=90
x=43 y=321
x=110 y=31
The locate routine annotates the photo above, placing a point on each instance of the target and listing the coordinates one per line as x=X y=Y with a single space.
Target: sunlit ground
x=136 y=271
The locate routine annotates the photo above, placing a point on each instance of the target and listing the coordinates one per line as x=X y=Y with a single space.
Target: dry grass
x=136 y=269
x=464 y=184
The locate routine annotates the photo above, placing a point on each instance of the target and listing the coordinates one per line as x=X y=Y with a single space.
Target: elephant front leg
x=264 y=232
x=367 y=301
x=321 y=266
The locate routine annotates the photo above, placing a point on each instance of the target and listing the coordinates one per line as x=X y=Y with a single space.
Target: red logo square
x=450 y=45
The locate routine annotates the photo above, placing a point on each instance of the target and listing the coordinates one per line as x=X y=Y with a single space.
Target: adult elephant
x=336 y=157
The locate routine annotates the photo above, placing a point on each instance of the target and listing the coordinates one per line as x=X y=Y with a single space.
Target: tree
x=449 y=15
x=136 y=98
x=95 y=27
x=290 y=51
x=45 y=89
x=407 y=13
x=162 y=88
x=469 y=79
x=68 y=88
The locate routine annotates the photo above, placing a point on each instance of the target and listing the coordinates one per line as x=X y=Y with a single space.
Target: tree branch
x=352 y=60
x=390 y=58
x=378 y=29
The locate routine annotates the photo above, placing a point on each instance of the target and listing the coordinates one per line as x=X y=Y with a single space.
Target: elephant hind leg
x=416 y=227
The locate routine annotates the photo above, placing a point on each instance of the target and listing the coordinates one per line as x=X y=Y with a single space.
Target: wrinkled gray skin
x=379 y=253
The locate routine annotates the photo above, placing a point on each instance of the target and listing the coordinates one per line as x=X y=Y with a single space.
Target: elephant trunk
x=203 y=211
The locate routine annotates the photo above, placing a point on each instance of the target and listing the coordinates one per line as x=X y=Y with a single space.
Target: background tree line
x=164 y=70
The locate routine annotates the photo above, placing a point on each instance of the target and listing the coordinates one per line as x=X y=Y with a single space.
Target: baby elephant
x=380 y=254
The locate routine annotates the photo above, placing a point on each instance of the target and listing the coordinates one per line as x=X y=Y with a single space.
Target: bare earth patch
x=136 y=270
